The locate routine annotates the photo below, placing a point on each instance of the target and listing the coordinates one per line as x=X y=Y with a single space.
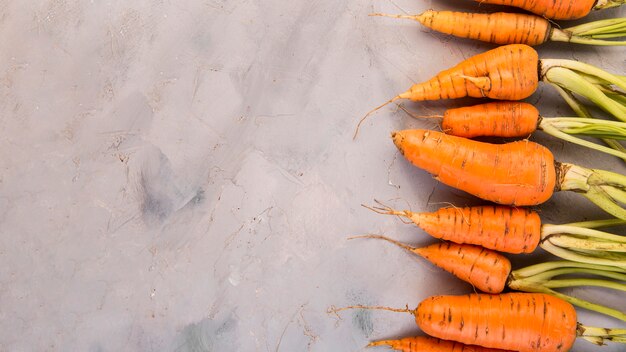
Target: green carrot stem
x=599 y=40
x=608 y=177
x=574 y=103
x=589 y=39
x=617 y=97
x=566 y=241
x=616 y=193
x=581 y=257
x=599 y=30
x=538 y=269
x=548 y=64
x=614 y=144
x=600 y=332
x=548 y=230
x=549 y=274
x=561 y=283
x=571 y=81
x=594 y=27
x=587 y=181
x=597 y=196
x=594 y=224
x=547 y=128
x=616 y=257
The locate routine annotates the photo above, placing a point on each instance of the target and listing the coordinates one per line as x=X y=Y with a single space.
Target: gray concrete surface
x=180 y=175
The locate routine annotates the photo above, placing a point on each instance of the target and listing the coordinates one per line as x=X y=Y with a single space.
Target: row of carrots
x=513 y=175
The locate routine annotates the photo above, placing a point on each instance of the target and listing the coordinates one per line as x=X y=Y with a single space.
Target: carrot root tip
x=358 y=126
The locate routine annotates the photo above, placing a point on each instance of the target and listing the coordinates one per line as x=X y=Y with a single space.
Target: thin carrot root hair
x=383 y=209
x=403 y=108
x=336 y=310
x=380 y=237
x=358 y=126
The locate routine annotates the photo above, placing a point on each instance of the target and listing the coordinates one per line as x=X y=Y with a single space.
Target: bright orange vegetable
x=519 y=119
x=509 y=72
x=486 y=270
x=430 y=344
x=515 y=321
x=519 y=173
x=502 y=228
x=516 y=28
x=525 y=322
x=498 y=28
x=501 y=119
x=553 y=9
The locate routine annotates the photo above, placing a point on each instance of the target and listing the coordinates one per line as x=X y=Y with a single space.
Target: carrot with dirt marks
x=515 y=230
x=487 y=270
x=517 y=28
x=430 y=344
x=513 y=72
x=558 y=9
x=490 y=272
x=525 y=322
x=520 y=173
x=520 y=119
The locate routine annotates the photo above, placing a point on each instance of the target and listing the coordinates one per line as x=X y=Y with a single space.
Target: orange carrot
x=525 y=322
x=486 y=270
x=518 y=173
x=501 y=119
x=516 y=28
x=430 y=344
x=502 y=228
x=519 y=119
x=498 y=28
x=509 y=72
x=515 y=321
x=553 y=9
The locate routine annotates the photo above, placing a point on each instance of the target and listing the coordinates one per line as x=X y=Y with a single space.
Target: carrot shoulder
x=519 y=173
x=553 y=9
x=516 y=321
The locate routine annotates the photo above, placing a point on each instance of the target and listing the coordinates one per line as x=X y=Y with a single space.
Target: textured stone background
x=180 y=175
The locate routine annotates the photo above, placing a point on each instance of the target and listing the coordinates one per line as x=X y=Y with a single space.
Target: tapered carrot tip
x=398 y=140
x=408 y=17
x=381 y=343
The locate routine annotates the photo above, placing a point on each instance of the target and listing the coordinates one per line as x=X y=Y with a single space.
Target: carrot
x=490 y=272
x=512 y=72
x=558 y=9
x=510 y=230
x=515 y=28
x=430 y=344
x=519 y=173
x=501 y=119
x=520 y=119
x=516 y=321
x=499 y=27
x=524 y=322
x=485 y=269
x=502 y=228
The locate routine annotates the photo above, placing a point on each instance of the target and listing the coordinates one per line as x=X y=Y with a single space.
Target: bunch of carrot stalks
x=514 y=175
